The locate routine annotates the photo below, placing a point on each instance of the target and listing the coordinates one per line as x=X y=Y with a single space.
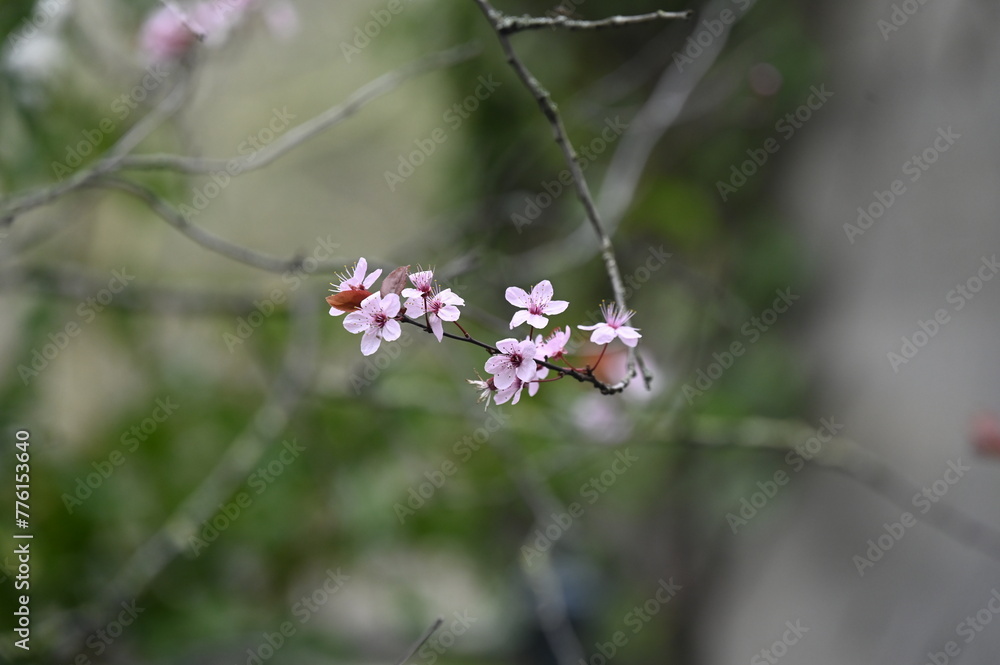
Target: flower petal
x=556 y=306
x=536 y=320
x=517 y=296
x=603 y=335
x=335 y=312
x=494 y=363
x=437 y=327
x=520 y=316
x=360 y=268
x=593 y=327
x=371 y=278
x=391 y=330
x=504 y=377
x=390 y=304
x=449 y=313
x=526 y=370
x=508 y=345
x=628 y=332
x=356 y=322
x=370 y=342
x=542 y=292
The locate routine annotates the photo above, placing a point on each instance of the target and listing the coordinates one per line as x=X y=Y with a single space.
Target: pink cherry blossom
x=614 y=326
x=442 y=306
x=376 y=320
x=516 y=360
x=165 y=35
x=423 y=281
x=554 y=345
x=535 y=305
x=359 y=280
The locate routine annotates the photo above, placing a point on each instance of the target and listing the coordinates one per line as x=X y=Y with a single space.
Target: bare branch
x=512 y=24
x=420 y=641
x=207 y=239
x=551 y=113
x=302 y=133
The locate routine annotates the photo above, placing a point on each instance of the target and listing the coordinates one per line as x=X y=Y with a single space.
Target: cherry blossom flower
x=613 y=326
x=535 y=305
x=423 y=282
x=351 y=291
x=376 y=320
x=516 y=360
x=554 y=345
x=442 y=306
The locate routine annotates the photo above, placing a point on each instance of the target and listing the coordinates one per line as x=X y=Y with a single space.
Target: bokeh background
x=219 y=476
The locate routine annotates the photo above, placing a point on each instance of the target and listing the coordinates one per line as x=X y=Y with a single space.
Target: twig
x=513 y=24
x=205 y=238
x=77 y=285
x=551 y=113
x=420 y=641
x=267 y=424
x=583 y=376
x=302 y=133
x=118 y=159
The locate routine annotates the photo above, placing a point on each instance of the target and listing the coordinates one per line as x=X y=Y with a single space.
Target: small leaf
x=395 y=281
x=347 y=301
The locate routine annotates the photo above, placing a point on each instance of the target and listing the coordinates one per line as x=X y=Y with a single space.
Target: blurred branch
x=78 y=285
x=420 y=641
x=302 y=133
x=207 y=239
x=117 y=158
x=543 y=582
x=551 y=113
x=237 y=462
x=856 y=462
x=17 y=205
x=509 y=25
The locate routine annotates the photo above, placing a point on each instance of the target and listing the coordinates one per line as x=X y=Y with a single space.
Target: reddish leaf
x=395 y=281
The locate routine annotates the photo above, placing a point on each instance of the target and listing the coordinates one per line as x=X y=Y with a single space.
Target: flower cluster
x=513 y=363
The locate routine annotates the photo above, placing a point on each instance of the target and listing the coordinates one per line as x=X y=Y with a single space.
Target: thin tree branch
x=237 y=462
x=551 y=113
x=585 y=376
x=320 y=123
x=118 y=158
x=420 y=641
x=207 y=239
x=514 y=24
